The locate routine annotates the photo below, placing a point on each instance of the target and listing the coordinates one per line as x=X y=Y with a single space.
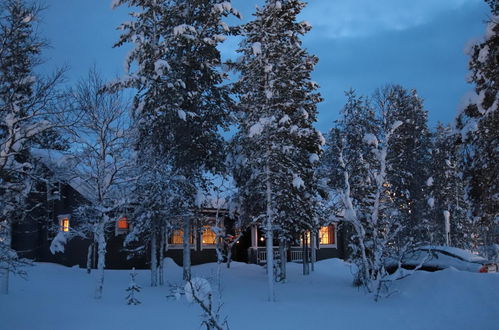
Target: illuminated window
x=177 y=237
x=122 y=223
x=326 y=235
x=209 y=237
x=64 y=224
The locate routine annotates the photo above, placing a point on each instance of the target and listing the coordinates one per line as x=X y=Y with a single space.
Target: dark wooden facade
x=33 y=236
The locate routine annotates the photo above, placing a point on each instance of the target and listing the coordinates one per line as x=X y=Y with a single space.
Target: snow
x=298 y=182
x=160 y=66
x=431 y=202
x=444 y=300
x=257 y=48
x=58 y=243
x=257 y=128
x=371 y=140
x=313 y=158
x=182 y=115
x=27 y=19
x=64 y=166
x=463 y=254
x=198 y=288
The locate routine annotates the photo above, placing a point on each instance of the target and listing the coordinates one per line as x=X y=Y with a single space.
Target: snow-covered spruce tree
x=479 y=128
x=157 y=208
x=101 y=159
x=277 y=147
x=181 y=102
x=408 y=158
x=132 y=289
x=447 y=194
x=27 y=110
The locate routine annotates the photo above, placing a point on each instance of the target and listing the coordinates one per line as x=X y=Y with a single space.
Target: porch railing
x=295 y=255
x=262 y=255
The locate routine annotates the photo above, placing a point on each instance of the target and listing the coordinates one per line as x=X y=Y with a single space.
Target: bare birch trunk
x=90 y=252
x=101 y=259
x=6 y=235
x=186 y=265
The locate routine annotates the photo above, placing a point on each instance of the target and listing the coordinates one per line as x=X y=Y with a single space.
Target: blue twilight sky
x=362 y=44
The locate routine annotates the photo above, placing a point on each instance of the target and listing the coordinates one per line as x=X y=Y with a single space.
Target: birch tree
x=101 y=159
x=28 y=109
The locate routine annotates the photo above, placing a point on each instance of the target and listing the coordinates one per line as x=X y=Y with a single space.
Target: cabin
x=58 y=200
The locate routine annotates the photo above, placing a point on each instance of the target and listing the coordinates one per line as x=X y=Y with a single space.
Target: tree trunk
x=90 y=253
x=186 y=265
x=283 y=259
x=313 y=246
x=229 y=254
x=101 y=259
x=306 y=268
x=162 y=249
x=6 y=236
x=154 y=260
x=269 y=239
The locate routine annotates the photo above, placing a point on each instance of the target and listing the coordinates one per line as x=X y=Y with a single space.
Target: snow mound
x=198 y=289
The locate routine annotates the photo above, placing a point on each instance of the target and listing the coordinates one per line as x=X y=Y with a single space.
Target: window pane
x=65 y=224
x=326 y=235
x=177 y=237
x=209 y=236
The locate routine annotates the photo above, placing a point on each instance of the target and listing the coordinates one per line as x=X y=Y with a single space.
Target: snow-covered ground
x=55 y=297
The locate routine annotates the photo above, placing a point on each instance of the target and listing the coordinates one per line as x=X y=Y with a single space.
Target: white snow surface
x=56 y=297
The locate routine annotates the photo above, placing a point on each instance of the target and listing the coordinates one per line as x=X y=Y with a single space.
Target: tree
x=449 y=209
x=358 y=120
x=277 y=148
x=479 y=128
x=100 y=158
x=181 y=102
x=157 y=205
x=133 y=288
x=28 y=109
x=374 y=235
x=408 y=158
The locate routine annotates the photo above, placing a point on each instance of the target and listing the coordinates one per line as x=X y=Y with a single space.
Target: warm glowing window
x=122 y=223
x=326 y=235
x=64 y=223
x=177 y=237
x=209 y=236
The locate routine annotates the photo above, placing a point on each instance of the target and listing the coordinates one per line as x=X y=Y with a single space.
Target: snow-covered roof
x=66 y=168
